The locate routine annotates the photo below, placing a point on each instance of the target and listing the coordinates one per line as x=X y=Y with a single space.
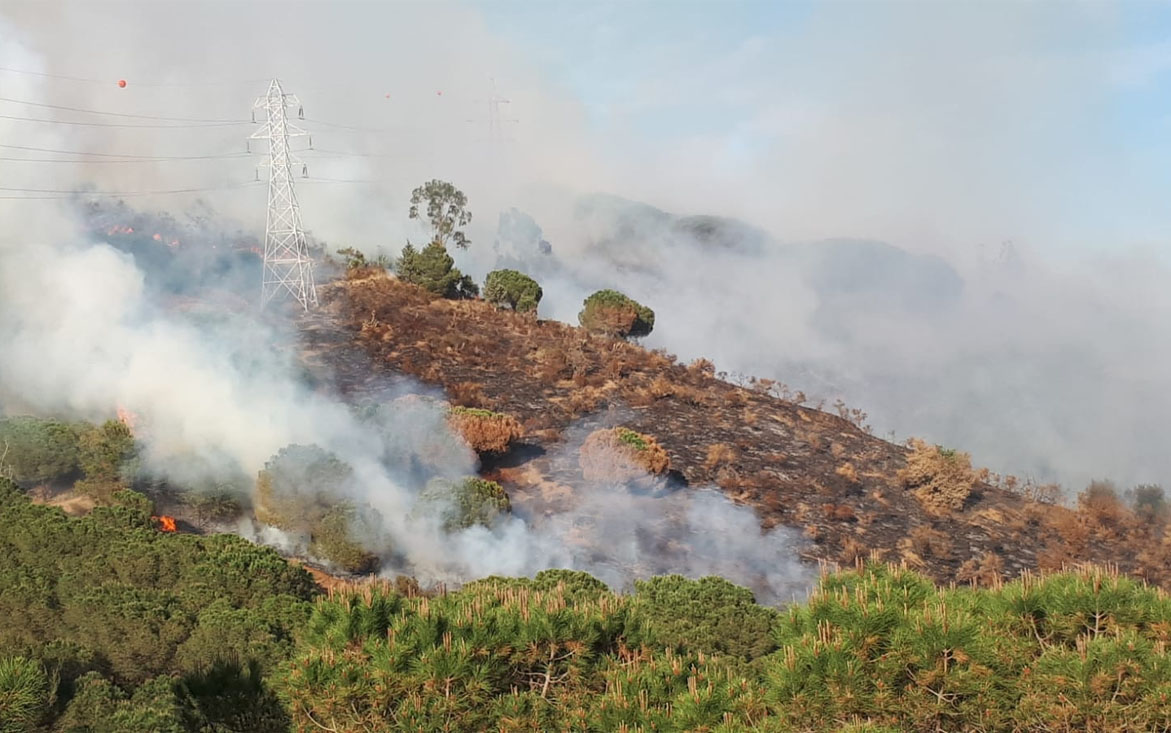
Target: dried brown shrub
x=701 y=370
x=485 y=431
x=1103 y=509
x=735 y=398
x=661 y=387
x=839 y=512
x=585 y=400
x=719 y=454
x=620 y=454
x=552 y=363
x=848 y=472
x=729 y=479
x=987 y=570
x=931 y=543
x=941 y=479
x=468 y=394
x=852 y=551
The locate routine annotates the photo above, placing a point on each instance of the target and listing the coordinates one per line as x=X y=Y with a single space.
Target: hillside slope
x=797 y=466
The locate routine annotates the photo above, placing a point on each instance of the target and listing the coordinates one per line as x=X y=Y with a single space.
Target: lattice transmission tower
x=496 y=121
x=288 y=269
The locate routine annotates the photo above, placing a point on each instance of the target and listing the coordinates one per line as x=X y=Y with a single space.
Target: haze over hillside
x=1044 y=363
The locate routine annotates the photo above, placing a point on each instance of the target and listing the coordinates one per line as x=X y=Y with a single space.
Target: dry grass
x=848 y=472
x=719 y=455
x=548 y=374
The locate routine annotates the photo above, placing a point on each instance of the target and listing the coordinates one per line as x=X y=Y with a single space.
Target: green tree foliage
x=464 y=503
x=305 y=489
x=299 y=485
x=446 y=210
x=433 y=269
x=356 y=260
x=106 y=454
x=513 y=289
x=612 y=313
x=709 y=615
x=25 y=694
x=1150 y=503
x=343 y=533
x=34 y=450
x=125 y=616
x=875 y=650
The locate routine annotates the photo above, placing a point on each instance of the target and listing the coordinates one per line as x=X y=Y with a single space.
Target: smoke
x=1047 y=363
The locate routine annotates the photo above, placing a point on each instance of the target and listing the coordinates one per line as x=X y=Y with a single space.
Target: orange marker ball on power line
x=439 y=94
x=122 y=83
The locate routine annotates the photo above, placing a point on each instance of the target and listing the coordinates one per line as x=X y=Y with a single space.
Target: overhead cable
x=123 y=124
x=122 y=114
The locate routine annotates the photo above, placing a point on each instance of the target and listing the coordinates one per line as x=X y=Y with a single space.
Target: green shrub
x=24 y=695
x=342 y=536
x=138 y=610
x=1149 y=503
x=299 y=485
x=106 y=454
x=709 y=615
x=357 y=260
x=612 y=313
x=461 y=504
x=513 y=289
x=432 y=269
x=34 y=450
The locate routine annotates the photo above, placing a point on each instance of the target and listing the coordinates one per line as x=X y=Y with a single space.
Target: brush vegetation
x=511 y=289
x=621 y=454
x=305 y=490
x=111 y=626
x=612 y=313
x=484 y=430
x=464 y=503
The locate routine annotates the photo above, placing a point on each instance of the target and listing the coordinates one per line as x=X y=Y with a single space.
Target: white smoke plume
x=1048 y=365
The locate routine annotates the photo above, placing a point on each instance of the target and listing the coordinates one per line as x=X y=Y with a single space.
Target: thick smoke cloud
x=1047 y=363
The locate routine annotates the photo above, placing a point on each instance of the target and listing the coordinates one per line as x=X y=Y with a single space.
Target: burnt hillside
x=797 y=466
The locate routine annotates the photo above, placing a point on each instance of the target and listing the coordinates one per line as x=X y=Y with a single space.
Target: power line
x=91 y=161
x=101 y=155
x=350 y=154
x=121 y=114
x=66 y=193
x=123 y=124
x=66 y=77
x=353 y=128
x=336 y=180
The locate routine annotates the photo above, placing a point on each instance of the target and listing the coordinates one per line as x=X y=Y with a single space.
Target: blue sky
x=1044 y=122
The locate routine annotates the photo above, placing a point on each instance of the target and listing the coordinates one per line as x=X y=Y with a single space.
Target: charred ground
x=797 y=466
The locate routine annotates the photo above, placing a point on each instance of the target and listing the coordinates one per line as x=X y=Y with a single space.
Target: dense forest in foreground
x=112 y=625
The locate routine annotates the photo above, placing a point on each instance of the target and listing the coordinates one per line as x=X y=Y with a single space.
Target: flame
x=127 y=418
x=157 y=237
x=166 y=524
x=119 y=229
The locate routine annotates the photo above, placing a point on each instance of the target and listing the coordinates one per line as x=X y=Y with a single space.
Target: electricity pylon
x=496 y=131
x=288 y=269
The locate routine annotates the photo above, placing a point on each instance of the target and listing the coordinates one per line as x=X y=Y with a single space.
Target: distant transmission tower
x=496 y=131
x=288 y=268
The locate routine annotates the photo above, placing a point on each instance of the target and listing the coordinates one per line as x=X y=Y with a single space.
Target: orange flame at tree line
x=166 y=524
x=127 y=418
